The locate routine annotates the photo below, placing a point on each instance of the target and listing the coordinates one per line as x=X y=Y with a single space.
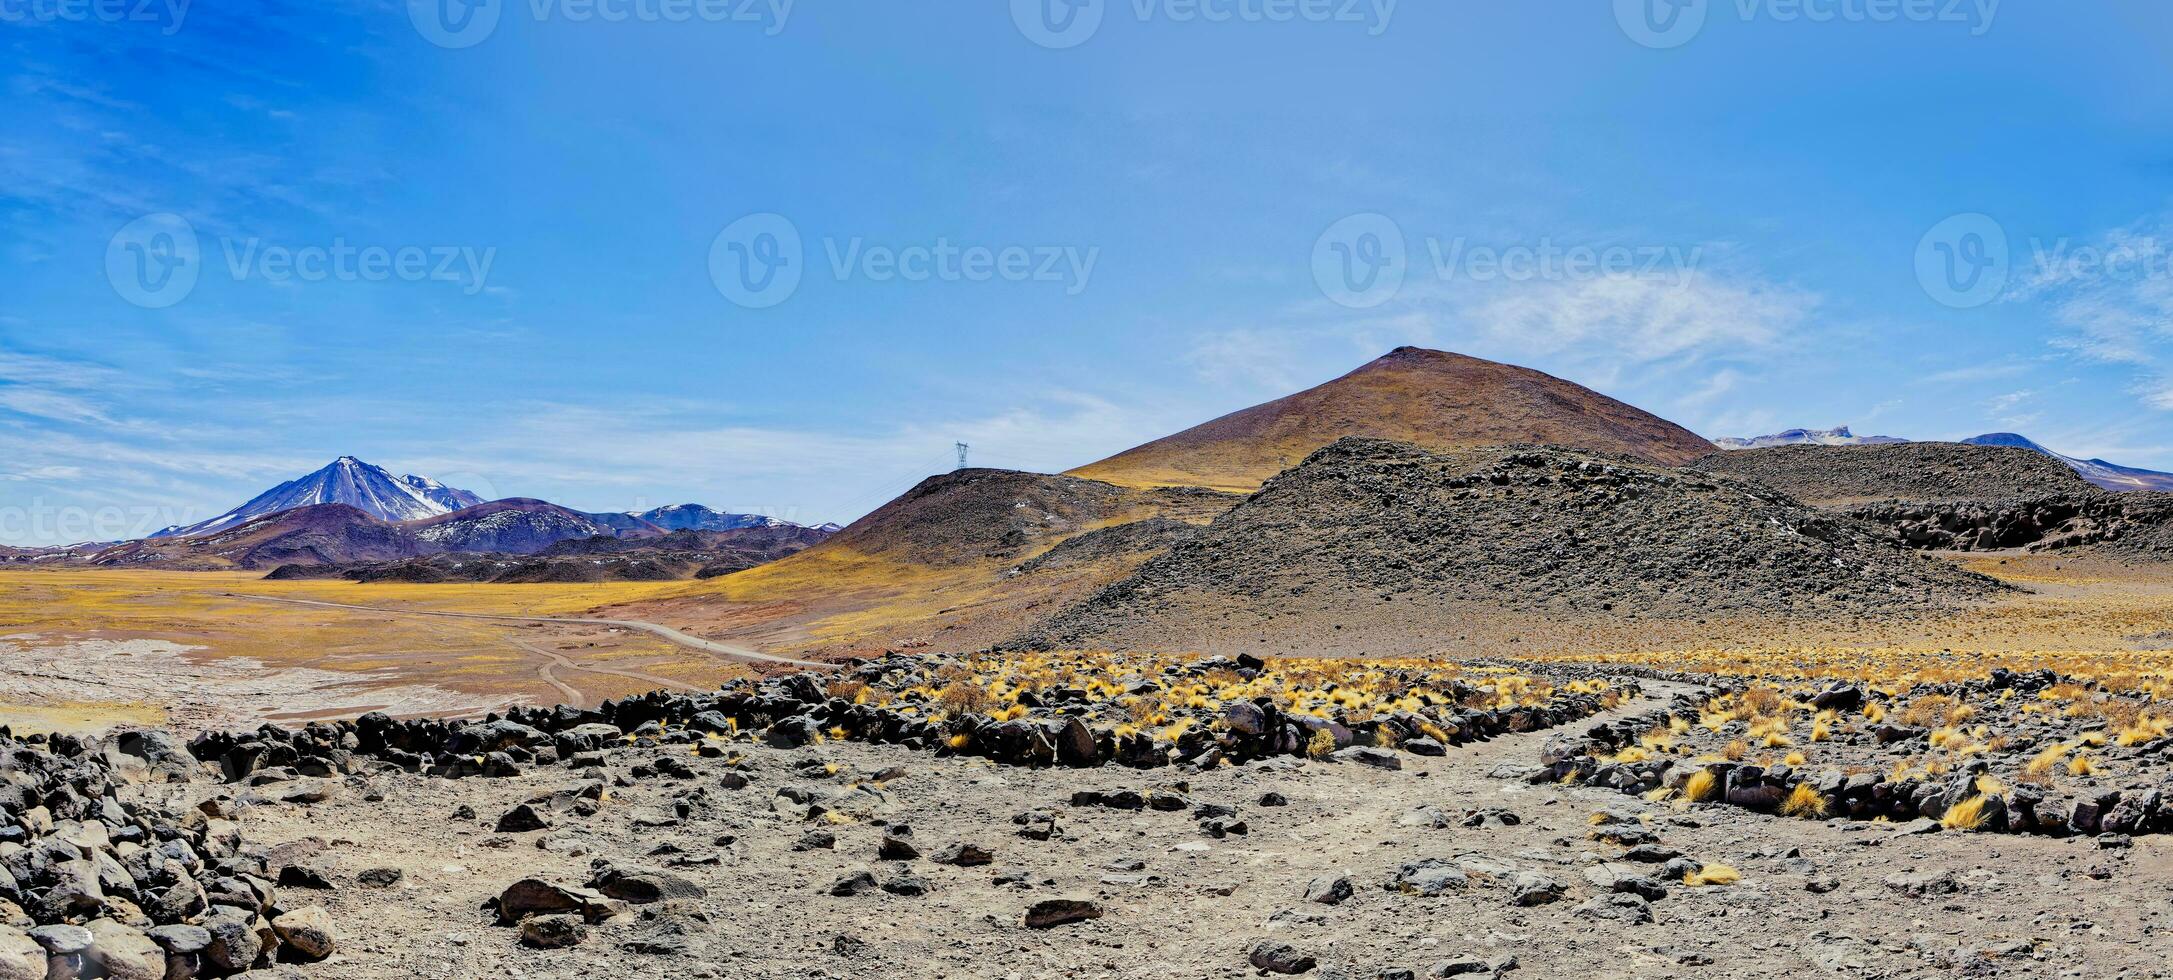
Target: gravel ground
x=1827 y=899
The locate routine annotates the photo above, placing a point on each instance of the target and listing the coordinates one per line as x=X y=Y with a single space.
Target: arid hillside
x=1396 y=542
x=951 y=562
x=1429 y=398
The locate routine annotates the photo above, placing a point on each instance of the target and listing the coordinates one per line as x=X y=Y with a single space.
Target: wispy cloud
x=2113 y=295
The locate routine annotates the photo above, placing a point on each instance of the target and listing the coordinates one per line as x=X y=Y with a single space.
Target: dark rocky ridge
x=1828 y=476
x=1364 y=524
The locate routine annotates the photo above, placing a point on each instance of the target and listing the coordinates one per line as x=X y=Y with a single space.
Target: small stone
x=1531 y=888
x=1052 y=912
x=1282 y=958
x=963 y=855
x=522 y=819
x=1329 y=890
x=906 y=885
x=1618 y=906
x=896 y=847
x=308 y=931
x=856 y=883
x=379 y=877
x=304 y=876
x=553 y=931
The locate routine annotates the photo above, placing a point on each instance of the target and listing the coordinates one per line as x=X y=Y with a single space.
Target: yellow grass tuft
x=1969 y=814
x=1703 y=786
x=1712 y=874
x=1804 y=802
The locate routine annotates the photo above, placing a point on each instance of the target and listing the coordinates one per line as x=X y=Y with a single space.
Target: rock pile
x=1833 y=476
x=97 y=878
x=1374 y=528
x=2134 y=524
x=1927 y=760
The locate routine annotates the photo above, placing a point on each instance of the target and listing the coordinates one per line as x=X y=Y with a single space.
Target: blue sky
x=520 y=265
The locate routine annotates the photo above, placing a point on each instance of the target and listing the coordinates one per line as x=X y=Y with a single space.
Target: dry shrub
x=962 y=697
x=1804 y=802
x=1928 y=711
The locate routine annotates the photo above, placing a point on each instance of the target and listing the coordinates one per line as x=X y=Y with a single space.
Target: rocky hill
x=320 y=534
x=675 y=556
x=1829 y=476
x=1428 y=398
x=953 y=560
x=1386 y=531
x=516 y=526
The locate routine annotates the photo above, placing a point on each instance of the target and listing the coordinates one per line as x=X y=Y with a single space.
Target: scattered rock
x=1052 y=912
x=1282 y=958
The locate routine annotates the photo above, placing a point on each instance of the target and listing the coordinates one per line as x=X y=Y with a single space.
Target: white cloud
x=2113 y=295
x=1642 y=320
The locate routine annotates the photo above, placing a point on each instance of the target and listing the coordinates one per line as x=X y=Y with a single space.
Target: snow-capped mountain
x=514 y=526
x=373 y=490
x=2111 y=476
x=1837 y=436
x=695 y=517
x=450 y=498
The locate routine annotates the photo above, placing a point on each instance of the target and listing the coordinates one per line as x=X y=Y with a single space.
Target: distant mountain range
x=352 y=511
x=372 y=490
x=1837 y=436
x=695 y=517
x=2111 y=476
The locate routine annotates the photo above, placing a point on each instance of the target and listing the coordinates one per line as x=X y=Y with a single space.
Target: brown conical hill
x=1429 y=398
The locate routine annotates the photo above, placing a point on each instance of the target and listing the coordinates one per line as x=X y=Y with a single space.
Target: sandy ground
x=1815 y=898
